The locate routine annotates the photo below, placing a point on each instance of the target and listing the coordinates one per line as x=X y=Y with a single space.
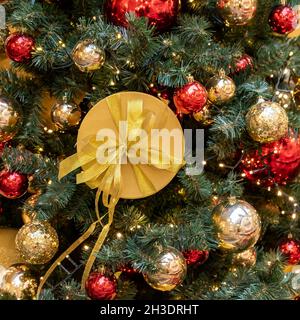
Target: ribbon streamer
x=106 y=177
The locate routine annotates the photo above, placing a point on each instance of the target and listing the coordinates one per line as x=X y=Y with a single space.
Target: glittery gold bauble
x=238 y=225
x=88 y=56
x=171 y=270
x=284 y=98
x=220 y=89
x=66 y=115
x=10 y=119
x=27 y=215
x=37 y=242
x=267 y=121
x=237 y=12
x=8 y=252
x=18 y=281
x=204 y=116
x=245 y=258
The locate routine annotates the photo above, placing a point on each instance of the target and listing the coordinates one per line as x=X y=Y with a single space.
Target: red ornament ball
x=161 y=13
x=100 y=287
x=190 y=98
x=283 y=19
x=195 y=257
x=18 y=47
x=275 y=163
x=242 y=64
x=12 y=184
x=290 y=248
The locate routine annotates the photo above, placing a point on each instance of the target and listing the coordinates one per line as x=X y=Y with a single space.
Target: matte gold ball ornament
x=18 y=281
x=65 y=114
x=171 y=270
x=245 y=258
x=238 y=225
x=220 y=88
x=37 y=242
x=237 y=12
x=10 y=119
x=267 y=121
x=88 y=56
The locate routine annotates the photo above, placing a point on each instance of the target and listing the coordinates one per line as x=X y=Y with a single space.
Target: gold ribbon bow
x=106 y=176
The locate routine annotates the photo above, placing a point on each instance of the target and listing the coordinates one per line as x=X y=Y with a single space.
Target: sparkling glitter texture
x=267 y=121
x=37 y=242
x=237 y=12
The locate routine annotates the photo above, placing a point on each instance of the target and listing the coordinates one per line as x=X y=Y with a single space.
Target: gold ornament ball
x=220 y=89
x=37 y=242
x=27 y=215
x=245 y=258
x=238 y=225
x=18 y=281
x=171 y=270
x=66 y=115
x=204 y=116
x=10 y=119
x=88 y=56
x=8 y=252
x=237 y=12
x=267 y=121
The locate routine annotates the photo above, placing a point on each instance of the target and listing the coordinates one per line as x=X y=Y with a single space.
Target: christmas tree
x=222 y=223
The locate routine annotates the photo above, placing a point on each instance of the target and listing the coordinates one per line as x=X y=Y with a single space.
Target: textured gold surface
x=245 y=258
x=238 y=225
x=267 y=121
x=37 y=242
x=237 y=12
x=19 y=281
x=66 y=115
x=10 y=119
x=87 y=56
x=220 y=89
x=171 y=272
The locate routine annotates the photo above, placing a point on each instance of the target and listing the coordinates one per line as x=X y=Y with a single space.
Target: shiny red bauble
x=283 y=19
x=161 y=13
x=19 y=46
x=12 y=184
x=275 y=163
x=190 y=98
x=101 y=287
x=245 y=62
x=195 y=257
x=290 y=248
